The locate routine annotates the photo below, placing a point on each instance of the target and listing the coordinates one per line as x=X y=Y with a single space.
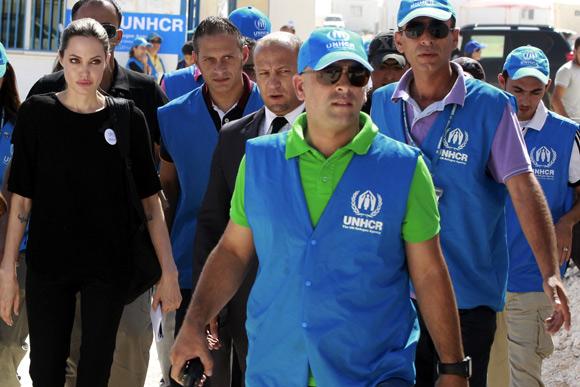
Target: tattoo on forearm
x=23 y=218
x=149 y=217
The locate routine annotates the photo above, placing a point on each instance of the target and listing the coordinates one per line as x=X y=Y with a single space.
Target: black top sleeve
x=133 y=66
x=142 y=164
x=24 y=138
x=159 y=99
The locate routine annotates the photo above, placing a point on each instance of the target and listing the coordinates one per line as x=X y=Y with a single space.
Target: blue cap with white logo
x=325 y=46
x=251 y=22
x=528 y=61
x=473 y=45
x=3 y=60
x=141 y=42
x=436 y=9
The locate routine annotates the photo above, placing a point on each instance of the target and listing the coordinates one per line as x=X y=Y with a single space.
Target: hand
x=9 y=295
x=190 y=343
x=167 y=292
x=564 y=239
x=451 y=381
x=213 y=336
x=554 y=289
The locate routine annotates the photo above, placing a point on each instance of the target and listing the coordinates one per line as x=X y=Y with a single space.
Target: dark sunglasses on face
x=110 y=29
x=436 y=28
x=357 y=75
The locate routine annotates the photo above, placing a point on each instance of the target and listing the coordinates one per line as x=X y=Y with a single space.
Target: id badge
x=438 y=193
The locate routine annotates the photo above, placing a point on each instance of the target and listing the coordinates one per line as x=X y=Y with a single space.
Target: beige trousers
x=134 y=339
x=528 y=343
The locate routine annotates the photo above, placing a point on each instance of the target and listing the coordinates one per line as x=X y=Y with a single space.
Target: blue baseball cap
x=154 y=36
x=251 y=22
x=528 y=61
x=327 y=45
x=141 y=42
x=3 y=60
x=473 y=45
x=436 y=9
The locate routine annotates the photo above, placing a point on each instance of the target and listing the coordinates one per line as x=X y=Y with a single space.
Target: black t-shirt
x=75 y=176
x=140 y=88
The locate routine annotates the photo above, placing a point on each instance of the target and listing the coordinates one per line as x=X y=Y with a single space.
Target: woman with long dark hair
x=9 y=104
x=69 y=178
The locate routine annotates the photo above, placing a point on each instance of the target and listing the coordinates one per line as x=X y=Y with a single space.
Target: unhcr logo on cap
x=339 y=39
x=423 y=3
x=530 y=55
x=260 y=24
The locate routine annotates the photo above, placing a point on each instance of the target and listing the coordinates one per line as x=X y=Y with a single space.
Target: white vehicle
x=333 y=20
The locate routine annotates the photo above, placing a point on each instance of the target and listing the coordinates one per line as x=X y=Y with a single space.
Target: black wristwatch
x=462 y=368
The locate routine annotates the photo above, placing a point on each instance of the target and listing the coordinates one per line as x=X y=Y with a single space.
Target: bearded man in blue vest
x=342 y=219
x=554 y=145
x=189 y=133
x=468 y=132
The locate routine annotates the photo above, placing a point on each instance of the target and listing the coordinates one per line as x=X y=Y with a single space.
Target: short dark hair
x=577 y=43
x=215 y=25
x=187 y=48
x=81 y=3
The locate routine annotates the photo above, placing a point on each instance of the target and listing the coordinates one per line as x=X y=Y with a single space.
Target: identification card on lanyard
x=430 y=163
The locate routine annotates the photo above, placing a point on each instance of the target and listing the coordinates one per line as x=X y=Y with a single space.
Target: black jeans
x=51 y=309
x=477 y=332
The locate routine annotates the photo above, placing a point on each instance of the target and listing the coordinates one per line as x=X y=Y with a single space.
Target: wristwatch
x=462 y=368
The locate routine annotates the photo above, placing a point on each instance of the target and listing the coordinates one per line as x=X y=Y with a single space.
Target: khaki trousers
x=528 y=343
x=134 y=339
x=13 y=345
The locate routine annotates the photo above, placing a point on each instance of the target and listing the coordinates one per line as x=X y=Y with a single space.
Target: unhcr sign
x=141 y=17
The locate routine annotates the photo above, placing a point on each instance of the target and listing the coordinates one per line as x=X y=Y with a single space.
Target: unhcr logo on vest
x=453 y=144
x=339 y=39
x=542 y=160
x=365 y=206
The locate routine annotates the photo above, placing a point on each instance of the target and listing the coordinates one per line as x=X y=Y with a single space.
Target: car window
x=495 y=45
x=544 y=41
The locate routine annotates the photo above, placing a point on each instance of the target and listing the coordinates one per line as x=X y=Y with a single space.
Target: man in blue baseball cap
x=253 y=26
x=341 y=218
x=553 y=142
x=473 y=49
x=469 y=134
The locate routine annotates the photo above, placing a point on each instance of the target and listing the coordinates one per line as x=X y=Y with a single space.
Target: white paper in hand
x=156 y=321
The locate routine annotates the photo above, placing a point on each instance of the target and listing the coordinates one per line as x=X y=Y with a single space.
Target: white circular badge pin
x=110 y=136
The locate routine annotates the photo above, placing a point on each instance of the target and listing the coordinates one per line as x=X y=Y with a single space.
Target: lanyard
x=410 y=140
x=2 y=120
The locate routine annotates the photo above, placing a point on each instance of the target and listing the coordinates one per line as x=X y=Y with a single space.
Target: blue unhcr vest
x=190 y=136
x=473 y=230
x=135 y=61
x=180 y=82
x=334 y=297
x=550 y=150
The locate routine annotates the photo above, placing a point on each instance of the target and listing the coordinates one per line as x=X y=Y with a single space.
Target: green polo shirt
x=320 y=176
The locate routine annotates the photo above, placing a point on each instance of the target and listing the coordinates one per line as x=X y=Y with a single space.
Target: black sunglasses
x=436 y=28
x=110 y=29
x=358 y=76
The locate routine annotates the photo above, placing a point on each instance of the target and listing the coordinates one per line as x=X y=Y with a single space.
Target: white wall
x=301 y=12
x=29 y=66
x=368 y=20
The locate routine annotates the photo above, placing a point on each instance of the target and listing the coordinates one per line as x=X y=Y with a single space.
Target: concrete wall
x=359 y=15
x=301 y=12
x=567 y=16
